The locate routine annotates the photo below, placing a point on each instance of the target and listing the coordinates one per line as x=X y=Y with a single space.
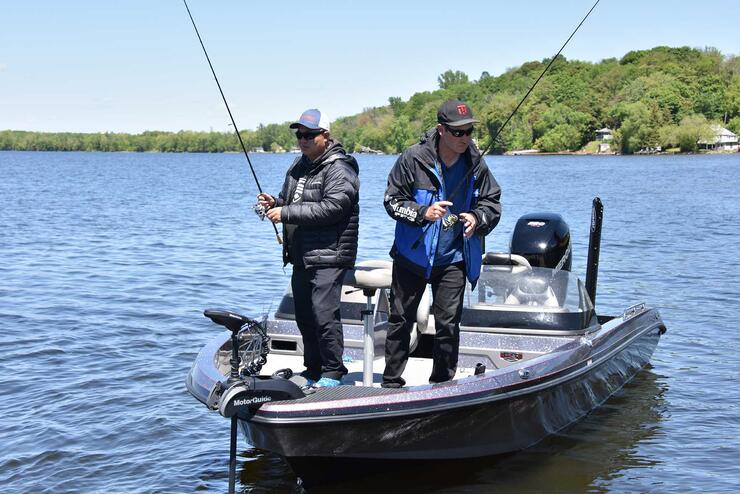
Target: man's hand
x=436 y=210
x=273 y=214
x=469 y=223
x=266 y=200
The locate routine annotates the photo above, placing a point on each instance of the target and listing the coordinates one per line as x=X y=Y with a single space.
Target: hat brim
x=295 y=125
x=460 y=123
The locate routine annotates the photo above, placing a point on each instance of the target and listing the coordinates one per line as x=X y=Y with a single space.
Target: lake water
x=107 y=261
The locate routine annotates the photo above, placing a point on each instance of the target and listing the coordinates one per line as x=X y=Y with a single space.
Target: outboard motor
x=544 y=240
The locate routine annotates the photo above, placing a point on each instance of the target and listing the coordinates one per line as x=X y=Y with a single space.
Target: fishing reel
x=449 y=221
x=260 y=210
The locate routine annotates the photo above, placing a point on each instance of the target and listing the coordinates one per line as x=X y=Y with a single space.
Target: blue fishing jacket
x=414 y=183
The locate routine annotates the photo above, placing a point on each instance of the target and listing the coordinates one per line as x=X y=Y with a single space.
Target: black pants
x=317 y=294
x=407 y=288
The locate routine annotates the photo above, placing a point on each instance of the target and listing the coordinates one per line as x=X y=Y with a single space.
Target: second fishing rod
x=450 y=220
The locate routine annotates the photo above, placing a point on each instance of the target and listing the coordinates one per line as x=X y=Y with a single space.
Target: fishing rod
x=257 y=208
x=449 y=221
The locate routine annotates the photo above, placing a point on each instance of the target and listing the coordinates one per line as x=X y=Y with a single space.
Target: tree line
x=273 y=137
x=662 y=97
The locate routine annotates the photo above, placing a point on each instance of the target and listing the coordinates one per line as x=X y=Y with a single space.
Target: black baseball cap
x=455 y=113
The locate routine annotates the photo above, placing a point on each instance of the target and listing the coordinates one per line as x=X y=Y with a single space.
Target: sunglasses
x=307 y=135
x=459 y=132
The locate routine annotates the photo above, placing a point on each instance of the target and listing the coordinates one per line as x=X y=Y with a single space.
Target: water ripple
x=102 y=292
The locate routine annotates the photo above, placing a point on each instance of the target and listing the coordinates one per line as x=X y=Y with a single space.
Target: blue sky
x=130 y=66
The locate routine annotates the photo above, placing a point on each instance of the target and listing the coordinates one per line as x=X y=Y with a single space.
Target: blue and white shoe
x=327 y=382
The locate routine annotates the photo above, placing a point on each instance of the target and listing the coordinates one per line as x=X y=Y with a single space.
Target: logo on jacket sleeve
x=404 y=212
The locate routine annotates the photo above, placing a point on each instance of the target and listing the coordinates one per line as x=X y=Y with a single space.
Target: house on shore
x=603 y=136
x=723 y=140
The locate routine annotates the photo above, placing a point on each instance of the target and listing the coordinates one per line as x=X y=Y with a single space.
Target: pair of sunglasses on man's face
x=459 y=132
x=307 y=135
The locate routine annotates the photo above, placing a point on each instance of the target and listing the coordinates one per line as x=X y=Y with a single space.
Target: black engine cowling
x=543 y=239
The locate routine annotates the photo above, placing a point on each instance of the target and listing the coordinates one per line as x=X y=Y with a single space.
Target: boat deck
x=417 y=370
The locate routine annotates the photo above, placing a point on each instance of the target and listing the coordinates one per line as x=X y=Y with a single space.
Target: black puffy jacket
x=321 y=227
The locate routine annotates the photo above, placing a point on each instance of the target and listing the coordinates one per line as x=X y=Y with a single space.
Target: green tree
x=396 y=105
x=637 y=129
x=452 y=78
x=401 y=134
x=732 y=97
x=734 y=125
x=710 y=99
x=560 y=138
x=493 y=117
x=687 y=133
x=559 y=114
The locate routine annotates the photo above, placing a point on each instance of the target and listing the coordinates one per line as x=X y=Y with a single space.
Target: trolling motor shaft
x=240 y=396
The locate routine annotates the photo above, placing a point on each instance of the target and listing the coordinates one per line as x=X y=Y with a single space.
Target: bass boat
x=534 y=358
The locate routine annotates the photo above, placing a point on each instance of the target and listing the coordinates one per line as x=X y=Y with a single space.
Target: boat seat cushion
x=368 y=277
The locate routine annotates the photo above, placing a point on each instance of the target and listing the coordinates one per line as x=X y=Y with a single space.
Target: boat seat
x=376 y=263
x=368 y=278
x=534 y=293
x=423 y=317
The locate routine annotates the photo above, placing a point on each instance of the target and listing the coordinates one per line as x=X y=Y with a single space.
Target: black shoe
x=391 y=385
x=311 y=377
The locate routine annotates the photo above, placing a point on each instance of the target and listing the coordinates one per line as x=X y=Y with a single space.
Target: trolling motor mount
x=244 y=391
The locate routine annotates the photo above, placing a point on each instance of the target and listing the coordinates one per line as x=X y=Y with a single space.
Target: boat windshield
x=530 y=287
x=518 y=290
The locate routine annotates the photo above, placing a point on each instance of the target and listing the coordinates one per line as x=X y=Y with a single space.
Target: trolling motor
x=244 y=391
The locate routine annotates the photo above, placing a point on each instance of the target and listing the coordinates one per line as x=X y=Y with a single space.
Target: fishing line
x=552 y=60
x=260 y=213
x=498 y=131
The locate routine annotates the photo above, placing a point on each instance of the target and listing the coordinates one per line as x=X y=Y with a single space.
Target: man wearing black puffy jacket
x=319 y=209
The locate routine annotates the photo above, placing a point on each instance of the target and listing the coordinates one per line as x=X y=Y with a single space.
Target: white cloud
x=3 y=67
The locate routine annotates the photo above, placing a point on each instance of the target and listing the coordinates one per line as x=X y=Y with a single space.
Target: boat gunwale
x=272 y=413
x=302 y=411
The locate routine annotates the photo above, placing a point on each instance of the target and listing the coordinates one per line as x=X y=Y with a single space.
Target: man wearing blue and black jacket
x=444 y=200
